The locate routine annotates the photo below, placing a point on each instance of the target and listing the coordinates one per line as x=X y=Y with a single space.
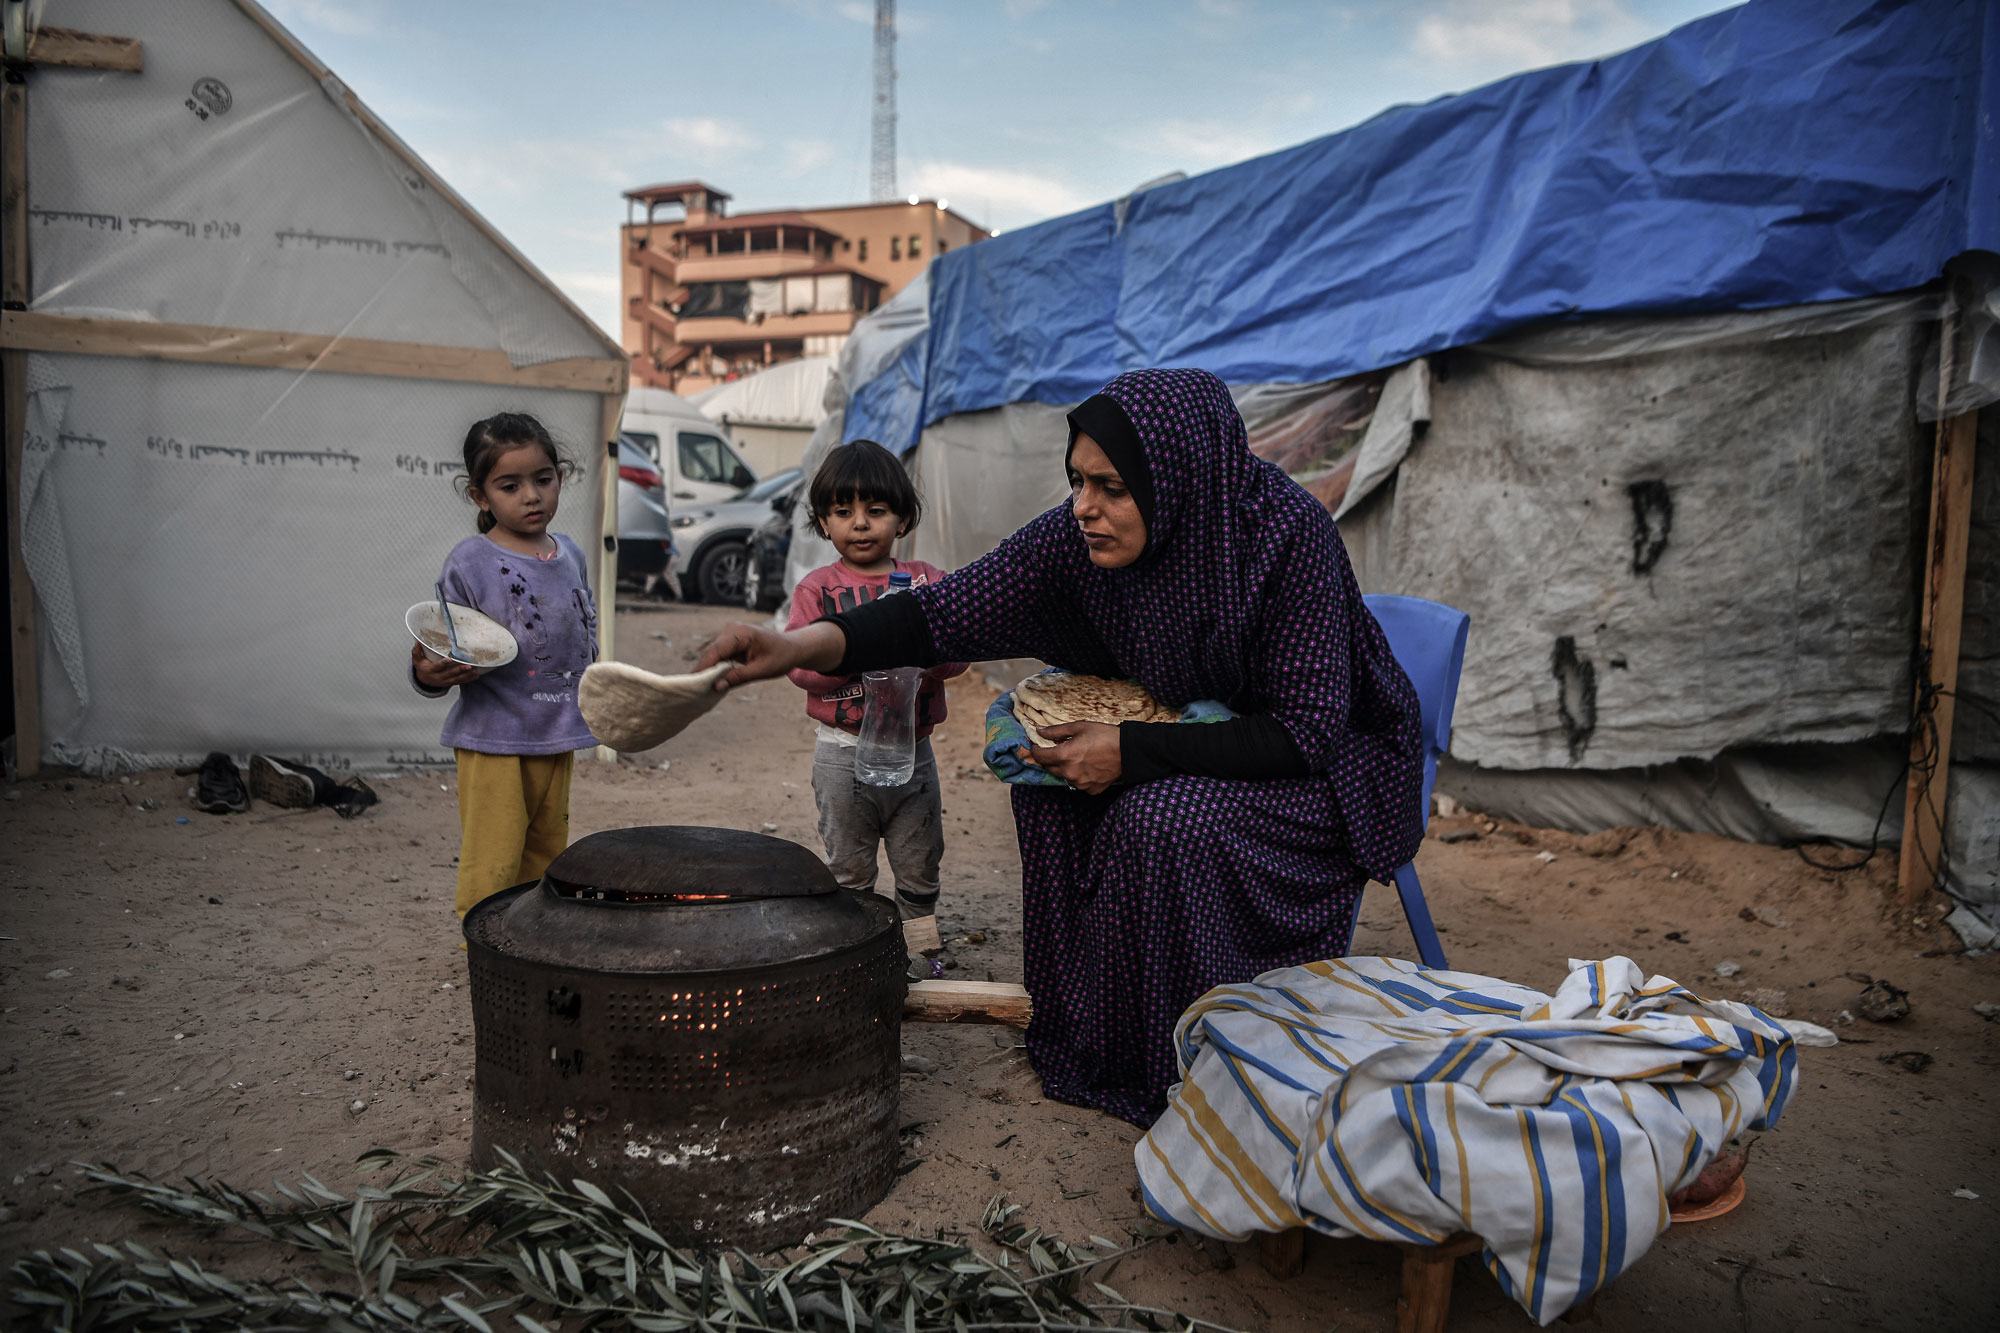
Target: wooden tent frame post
x=606 y=504
x=72 y=50
x=1941 y=616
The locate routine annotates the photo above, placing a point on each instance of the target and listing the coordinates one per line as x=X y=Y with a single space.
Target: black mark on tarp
x=1576 y=696
x=1652 y=520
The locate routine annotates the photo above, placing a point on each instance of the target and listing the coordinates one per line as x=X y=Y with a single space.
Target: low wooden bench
x=1424 y=1303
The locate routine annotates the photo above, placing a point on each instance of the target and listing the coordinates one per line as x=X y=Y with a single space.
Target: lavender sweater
x=529 y=705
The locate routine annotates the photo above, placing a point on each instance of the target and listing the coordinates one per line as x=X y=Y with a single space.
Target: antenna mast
x=882 y=139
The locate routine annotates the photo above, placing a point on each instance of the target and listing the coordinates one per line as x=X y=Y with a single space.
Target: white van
x=700 y=463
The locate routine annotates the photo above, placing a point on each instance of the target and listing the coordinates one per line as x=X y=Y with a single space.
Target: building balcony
x=742 y=268
x=773 y=327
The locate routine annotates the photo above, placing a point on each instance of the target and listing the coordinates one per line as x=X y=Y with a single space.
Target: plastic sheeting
x=1781 y=153
x=224 y=186
x=234 y=548
x=792 y=393
x=1672 y=555
x=222 y=555
x=882 y=366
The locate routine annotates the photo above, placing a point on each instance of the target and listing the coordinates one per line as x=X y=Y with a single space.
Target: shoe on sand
x=351 y=797
x=278 y=783
x=218 y=787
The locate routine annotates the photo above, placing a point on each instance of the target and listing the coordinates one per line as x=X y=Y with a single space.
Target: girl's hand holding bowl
x=435 y=673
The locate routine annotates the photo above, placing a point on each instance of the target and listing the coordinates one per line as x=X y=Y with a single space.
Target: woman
x=1189 y=857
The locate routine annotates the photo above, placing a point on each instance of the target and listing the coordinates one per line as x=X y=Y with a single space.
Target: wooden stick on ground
x=968 y=1002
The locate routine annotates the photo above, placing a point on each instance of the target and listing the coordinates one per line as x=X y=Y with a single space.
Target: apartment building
x=709 y=296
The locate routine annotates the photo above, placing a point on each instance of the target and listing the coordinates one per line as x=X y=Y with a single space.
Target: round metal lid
x=687 y=863
x=679 y=900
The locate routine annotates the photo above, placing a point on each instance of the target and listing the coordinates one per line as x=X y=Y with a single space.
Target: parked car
x=695 y=455
x=645 y=532
x=770 y=544
x=714 y=541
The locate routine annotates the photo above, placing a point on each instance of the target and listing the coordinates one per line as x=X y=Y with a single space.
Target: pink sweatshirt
x=836 y=701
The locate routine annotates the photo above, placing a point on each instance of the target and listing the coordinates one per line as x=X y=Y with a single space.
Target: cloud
x=1197 y=144
x=1508 y=35
x=807 y=155
x=995 y=191
x=709 y=136
x=335 y=16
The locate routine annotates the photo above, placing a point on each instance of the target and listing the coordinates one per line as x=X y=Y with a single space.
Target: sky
x=542 y=115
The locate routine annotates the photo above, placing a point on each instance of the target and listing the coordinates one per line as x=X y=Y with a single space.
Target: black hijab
x=1103 y=419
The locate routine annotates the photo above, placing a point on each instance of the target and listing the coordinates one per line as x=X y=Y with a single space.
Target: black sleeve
x=887 y=632
x=1256 y=746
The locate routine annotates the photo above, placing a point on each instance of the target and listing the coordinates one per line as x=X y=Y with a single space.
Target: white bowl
x=487 y=640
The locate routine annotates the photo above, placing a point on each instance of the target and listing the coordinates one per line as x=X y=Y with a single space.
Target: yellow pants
x=513 y=817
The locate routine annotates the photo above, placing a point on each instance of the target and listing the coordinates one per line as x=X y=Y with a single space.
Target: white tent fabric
x=791 y=393
x=222 y=554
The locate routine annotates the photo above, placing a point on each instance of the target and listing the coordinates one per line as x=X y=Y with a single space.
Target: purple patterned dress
x=1137 y=902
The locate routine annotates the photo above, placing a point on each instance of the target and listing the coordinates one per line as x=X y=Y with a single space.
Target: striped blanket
x=1371 y=1097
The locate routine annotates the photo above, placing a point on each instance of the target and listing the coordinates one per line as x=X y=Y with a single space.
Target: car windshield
x=771 y=485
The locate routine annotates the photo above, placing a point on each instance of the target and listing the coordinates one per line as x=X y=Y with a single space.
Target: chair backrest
x=1428 y=639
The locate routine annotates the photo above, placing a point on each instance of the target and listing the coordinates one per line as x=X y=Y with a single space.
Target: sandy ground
x=212 y=996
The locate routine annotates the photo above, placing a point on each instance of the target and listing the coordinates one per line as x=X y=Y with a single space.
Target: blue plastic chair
x=1428 y=639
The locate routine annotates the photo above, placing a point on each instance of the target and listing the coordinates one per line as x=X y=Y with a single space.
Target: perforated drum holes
x=731 y=1022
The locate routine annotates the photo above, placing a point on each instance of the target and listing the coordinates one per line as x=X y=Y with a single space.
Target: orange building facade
x=708 y=297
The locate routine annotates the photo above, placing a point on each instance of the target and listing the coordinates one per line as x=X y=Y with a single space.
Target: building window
x=862 y=253
x=895 y=249
x=847 y=245
x=916 y=247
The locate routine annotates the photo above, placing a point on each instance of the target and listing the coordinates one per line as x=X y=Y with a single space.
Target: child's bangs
x=863 y=473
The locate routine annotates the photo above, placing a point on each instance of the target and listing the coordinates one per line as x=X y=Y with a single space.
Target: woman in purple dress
x=1187 y=857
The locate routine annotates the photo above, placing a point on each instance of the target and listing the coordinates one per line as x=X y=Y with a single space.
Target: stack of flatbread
x=1050 y=700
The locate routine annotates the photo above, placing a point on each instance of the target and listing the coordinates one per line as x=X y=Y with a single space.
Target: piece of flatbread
x=629 y=709
x=1043 y=701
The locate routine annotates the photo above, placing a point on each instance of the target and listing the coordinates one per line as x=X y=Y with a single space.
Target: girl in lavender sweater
x=515 y=728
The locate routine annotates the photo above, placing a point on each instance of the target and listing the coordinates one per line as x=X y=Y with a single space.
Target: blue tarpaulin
x=1781 y=153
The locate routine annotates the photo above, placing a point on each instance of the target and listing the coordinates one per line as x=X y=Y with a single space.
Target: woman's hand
x=766 y=654
x=1085 y=755
x=439 y=674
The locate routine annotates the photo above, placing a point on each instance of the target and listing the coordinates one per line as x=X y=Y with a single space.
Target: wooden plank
x=85 y=50
x=326 y=79
x=14 y=194
x=968 y=1002
x=1922 y=862
x=605 y=502
x=23 y=633
x=331 y=354
x=1282 y=1253
x=1425 y=1301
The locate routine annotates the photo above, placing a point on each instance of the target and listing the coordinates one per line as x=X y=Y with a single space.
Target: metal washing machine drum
x=700 y=1016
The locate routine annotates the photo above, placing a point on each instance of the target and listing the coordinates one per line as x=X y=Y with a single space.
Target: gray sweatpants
x=855 y=817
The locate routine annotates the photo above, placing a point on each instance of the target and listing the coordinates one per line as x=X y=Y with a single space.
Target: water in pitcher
x=886 y=755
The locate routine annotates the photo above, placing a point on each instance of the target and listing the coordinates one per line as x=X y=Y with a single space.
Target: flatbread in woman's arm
x=629 y=709
x=1049 y=700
